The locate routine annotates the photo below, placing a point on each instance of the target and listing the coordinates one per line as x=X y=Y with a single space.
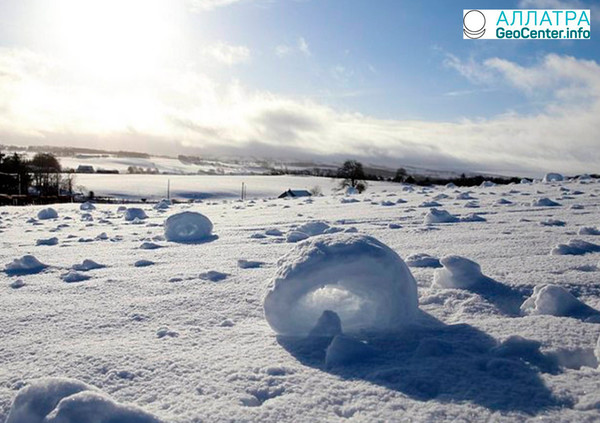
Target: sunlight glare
x=112 y=38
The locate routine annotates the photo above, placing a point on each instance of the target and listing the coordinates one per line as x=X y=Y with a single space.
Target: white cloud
x=283 y=50
x=179 y=111
x=205 y=5
x=303 y=47
x=228 y=54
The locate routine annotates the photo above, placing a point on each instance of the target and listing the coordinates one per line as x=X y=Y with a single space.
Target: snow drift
x=360 y=279
x=24 y=265
x=458 y=272
x=61 y=400
x=188 y=227
x=575 y=247
x=439 y=216
x=555 y=300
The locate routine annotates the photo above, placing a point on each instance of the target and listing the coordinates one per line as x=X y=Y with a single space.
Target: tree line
x=41 y=175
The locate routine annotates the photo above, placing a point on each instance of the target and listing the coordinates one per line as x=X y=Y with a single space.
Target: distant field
x=154 y=187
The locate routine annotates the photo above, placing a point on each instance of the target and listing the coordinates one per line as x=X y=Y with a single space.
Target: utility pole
x=168 y=189
x=243 y=194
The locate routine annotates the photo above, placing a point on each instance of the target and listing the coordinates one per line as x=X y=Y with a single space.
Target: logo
x=526 y=24
x=474 y=24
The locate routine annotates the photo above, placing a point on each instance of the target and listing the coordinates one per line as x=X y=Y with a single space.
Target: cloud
x=205 y=5
x=187 y=112
x=228 y=54
x=303 y=47
x=283 y=50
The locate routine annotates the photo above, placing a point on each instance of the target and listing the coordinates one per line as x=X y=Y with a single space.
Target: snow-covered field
x=161 y=164
x=306 y=309
x=154 y=187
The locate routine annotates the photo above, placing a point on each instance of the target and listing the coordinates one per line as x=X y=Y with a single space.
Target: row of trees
x=353 y=175
x=42 y=175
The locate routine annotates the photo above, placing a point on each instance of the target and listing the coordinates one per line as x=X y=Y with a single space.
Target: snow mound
x=429 y=204
x=273 y=232
x=25 y=265
x=73 y=276
x=87 y=265
x=329 y=324
x=553 y=177
x=61 y=400
x=87 y=206
x=134 y=213
x=439 y=216
x=589 y=230
x=249 y=264
x=544 y=202
x=422 y=260
x=313 y=228
x=555 y=300
x=553 y=222
x=163 y=204
x=465 y=196
x=487 y=184
x=49 y=241
x=16 y=284
x=457 y=272
x=345 y=350
x=472 y=217
x=296 y=236
x=575 y=247
x=143 y=263
x=362 y=280
x=48 y=213
x=188 y=227
x=150 y=246
x=503 y=201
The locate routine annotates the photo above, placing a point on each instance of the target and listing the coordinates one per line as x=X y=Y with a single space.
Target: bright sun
x=113 y=38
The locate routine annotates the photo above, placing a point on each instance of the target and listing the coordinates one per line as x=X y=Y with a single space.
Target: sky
x=388 y=82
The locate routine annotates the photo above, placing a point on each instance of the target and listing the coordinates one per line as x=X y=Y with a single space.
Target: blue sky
x=388 y=81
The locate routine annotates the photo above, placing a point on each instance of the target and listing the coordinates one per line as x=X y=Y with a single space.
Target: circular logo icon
x=474 y=24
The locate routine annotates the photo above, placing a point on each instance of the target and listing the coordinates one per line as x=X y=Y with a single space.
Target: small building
x=294 y=193
x=85 y=169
